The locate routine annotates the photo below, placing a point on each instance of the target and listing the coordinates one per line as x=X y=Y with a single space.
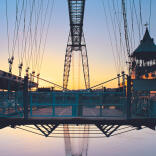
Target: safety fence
x=134 y=100
x=143 y=104
x=11 y=104
x=64 y=104
x=77 y=104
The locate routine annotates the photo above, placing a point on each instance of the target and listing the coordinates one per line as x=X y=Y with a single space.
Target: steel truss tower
x=76 y=41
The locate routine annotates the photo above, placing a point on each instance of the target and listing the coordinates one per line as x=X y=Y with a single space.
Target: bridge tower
x=76 y=41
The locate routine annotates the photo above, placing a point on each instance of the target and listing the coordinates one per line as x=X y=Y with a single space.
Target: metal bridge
x=108 y=109
x=100 y=107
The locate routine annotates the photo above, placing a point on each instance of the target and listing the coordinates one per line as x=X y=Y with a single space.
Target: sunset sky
x=104 y=34
x=101 y=61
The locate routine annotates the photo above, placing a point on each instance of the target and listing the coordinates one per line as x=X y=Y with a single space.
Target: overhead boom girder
x=76 y=15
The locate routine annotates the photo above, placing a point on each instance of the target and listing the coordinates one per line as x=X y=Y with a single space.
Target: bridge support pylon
x=68 y=57
x=76 y=41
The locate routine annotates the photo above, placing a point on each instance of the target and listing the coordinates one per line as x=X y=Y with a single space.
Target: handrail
x=59 y=86
x=107 y=81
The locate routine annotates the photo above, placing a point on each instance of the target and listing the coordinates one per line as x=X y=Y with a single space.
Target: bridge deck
x=77 y=108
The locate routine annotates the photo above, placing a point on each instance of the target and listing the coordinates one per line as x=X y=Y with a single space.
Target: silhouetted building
x=144 y=58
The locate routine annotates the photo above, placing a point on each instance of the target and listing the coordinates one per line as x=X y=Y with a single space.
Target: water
x=15 y=142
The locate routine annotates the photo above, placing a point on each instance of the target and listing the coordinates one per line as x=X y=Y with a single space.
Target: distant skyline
x=101 y=61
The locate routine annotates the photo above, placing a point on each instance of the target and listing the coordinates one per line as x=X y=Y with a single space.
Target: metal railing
x=11 y=104
x=143 y=104
x=77 y=104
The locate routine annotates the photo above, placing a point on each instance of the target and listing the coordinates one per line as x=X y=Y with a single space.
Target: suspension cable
x=34 y=52
x=42 y=32
x=118 y=23
x=150 y=14
x=123 y=49
x=109 y=34
x=40 y=35
x=115 y=35
x=132 y=25
x=17 y=25
x=126 y=30
x=135 y=11
x=8 y=37
x=140 y=8
x=29 y=36
x=44 y=46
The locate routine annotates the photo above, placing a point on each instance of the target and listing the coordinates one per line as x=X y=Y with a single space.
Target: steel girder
x=85 y=63
x=76 y=15
x=67 y=63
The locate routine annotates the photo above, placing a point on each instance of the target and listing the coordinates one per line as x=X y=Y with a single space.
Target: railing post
x=25 y=97
x=31 y=105
x=123 y=82
x=101 y=103
x=53 y=103
x=129 y=95
x=77 y=106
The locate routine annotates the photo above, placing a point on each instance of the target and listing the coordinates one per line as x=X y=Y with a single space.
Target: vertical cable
x=109 y=34
x=73 y=73
x=79 y=70
x=141 y=23
x=150 y=15
x=8 y=38
x=46 y=33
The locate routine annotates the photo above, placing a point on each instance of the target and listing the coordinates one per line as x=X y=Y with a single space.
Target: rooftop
x=147 y=48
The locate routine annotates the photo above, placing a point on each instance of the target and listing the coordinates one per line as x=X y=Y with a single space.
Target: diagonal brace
x=46 y=131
